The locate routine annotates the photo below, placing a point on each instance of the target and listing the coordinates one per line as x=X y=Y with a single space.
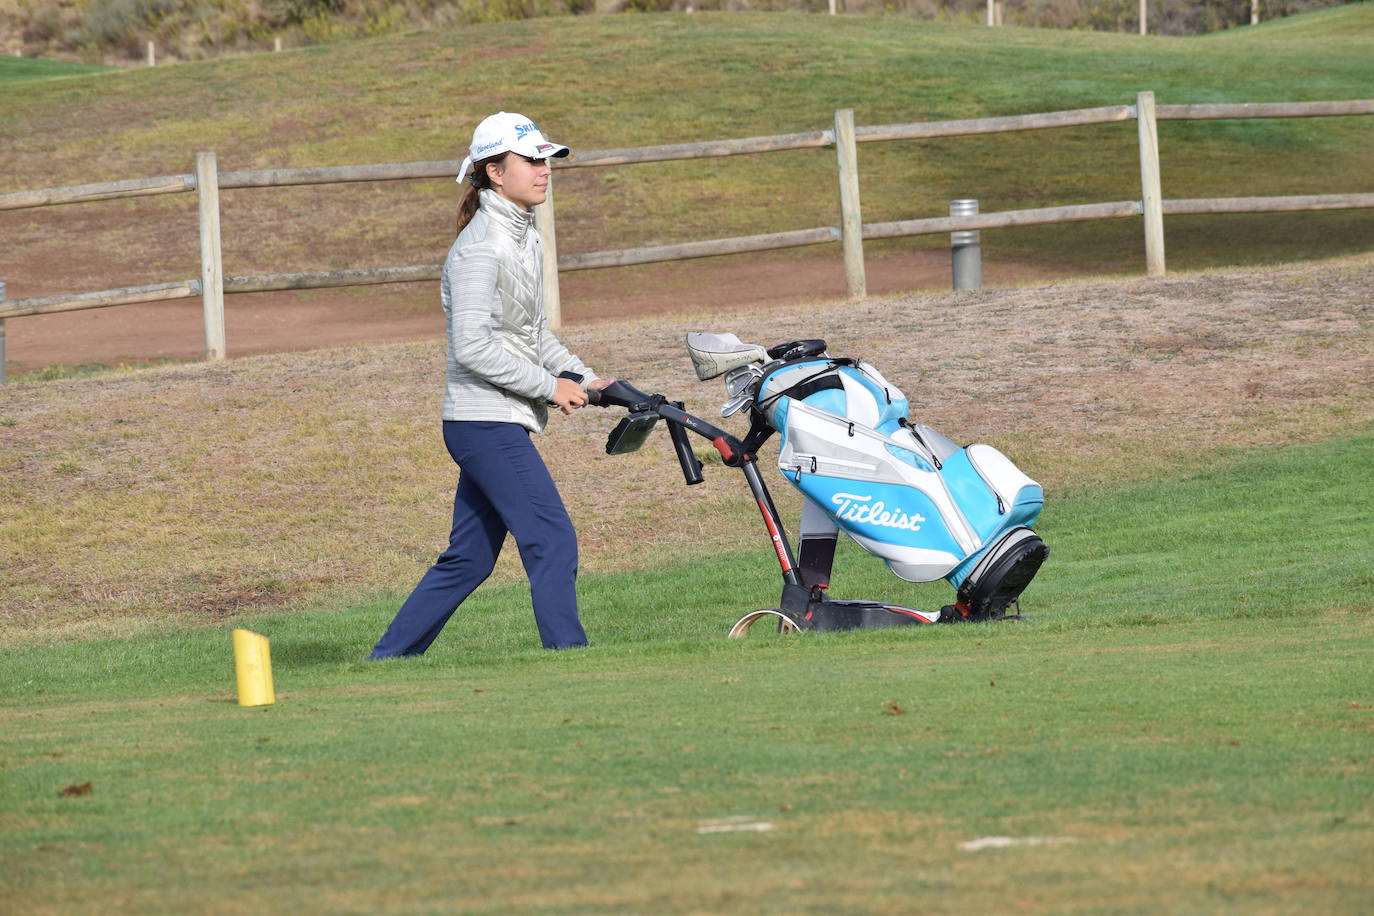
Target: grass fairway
x=1184 y=726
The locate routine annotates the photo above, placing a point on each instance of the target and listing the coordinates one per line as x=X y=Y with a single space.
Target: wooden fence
x=207 y=181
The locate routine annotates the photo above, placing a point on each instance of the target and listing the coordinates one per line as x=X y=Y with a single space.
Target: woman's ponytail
x=473 y=187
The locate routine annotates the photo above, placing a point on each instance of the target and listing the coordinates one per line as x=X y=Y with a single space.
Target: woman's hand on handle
x=595 y=388
x=568 y=395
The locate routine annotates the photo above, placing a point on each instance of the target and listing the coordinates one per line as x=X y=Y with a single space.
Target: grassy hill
x=638 y=80
x=1337 y=25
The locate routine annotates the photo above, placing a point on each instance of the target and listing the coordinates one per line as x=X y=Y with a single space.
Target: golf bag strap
x=819 y=380
x=809 y=387
x=757 y=435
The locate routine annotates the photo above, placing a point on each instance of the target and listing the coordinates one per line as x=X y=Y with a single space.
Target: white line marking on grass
x=1002 y=842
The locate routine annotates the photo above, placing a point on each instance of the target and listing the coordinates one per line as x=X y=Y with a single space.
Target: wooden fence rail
x=207 y=181
x=106 y=190
x=1269 y=204
x=72 y=302
x=1222 y=111
x=394 y=171
x=1003 y=220
x=592 y=260
x=930 y=129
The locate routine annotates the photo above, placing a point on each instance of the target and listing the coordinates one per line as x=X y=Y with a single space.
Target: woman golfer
x=504 y=367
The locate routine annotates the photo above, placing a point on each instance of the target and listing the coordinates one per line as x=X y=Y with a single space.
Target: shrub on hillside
x=46 y=23
x=121 y=25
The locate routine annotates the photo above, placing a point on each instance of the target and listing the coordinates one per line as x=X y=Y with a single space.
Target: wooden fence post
x=851 y=219
x=548 y=235
x=211 y=264
x=2 y=337
x=1151 y=199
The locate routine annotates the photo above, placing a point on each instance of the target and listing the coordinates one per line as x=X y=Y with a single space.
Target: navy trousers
x=503 y=486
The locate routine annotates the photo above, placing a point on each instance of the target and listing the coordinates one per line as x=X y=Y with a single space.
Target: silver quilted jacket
x=502 y=359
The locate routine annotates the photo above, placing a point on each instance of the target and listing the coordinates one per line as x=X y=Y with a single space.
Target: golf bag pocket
x=992 y=493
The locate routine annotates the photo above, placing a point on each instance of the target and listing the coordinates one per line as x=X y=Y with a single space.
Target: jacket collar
x=506 y=214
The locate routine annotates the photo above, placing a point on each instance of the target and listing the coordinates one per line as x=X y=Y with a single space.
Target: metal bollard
x=2 y=336
x=965 y=250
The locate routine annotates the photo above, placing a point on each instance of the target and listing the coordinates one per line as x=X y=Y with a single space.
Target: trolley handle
x=645 y=409
x=621 y=393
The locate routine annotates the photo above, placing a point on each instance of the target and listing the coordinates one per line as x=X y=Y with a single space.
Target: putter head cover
x=717 y=354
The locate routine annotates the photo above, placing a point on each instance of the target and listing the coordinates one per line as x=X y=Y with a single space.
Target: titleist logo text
x=853 y=508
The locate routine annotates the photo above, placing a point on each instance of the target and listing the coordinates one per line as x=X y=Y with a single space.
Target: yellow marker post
x=253 y=667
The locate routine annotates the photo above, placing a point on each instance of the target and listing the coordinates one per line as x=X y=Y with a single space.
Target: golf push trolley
x=927 y=507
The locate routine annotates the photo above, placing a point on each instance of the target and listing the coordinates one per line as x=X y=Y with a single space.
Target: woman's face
x=520 y=180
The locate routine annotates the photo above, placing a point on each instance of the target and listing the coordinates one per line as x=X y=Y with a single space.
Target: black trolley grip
x=691 y=467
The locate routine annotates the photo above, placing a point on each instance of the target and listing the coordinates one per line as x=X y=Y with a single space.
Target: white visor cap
x=504 y=132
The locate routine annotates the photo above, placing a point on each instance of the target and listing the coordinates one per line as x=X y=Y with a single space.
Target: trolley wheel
x=744 y=624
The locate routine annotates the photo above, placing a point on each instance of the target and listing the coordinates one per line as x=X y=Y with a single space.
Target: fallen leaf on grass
x=1002 y=842
x=893 y=708
x=74 y=790
x=736 y=824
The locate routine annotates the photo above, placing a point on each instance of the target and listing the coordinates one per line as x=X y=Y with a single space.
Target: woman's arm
x=557 y=358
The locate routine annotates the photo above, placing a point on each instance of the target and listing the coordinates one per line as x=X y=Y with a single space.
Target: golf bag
x=929 y=508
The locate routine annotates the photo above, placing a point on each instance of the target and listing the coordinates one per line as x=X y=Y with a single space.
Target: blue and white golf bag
x=928 y=507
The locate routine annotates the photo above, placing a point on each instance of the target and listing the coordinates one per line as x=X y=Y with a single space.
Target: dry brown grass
x=193 y=493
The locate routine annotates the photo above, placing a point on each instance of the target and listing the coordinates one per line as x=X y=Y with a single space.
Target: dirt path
x=283 y=322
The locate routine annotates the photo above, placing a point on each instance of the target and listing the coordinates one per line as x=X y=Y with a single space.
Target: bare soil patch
x=200 y=492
